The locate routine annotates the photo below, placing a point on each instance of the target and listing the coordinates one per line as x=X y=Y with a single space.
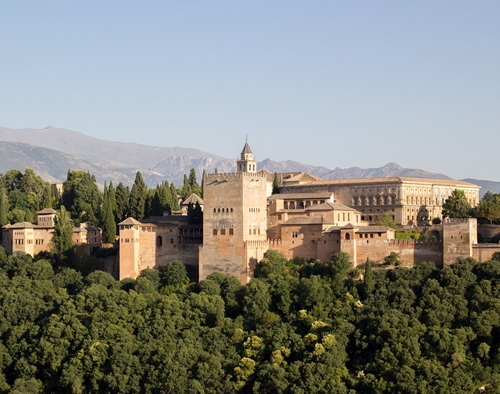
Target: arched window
x=159 y=241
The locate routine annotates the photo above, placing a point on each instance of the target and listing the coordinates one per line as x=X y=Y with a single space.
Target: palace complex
x=311 y=218
x=29 y=238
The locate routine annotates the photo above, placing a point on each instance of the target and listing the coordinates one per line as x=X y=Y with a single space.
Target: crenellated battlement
x=233 y=175
x=257 y=244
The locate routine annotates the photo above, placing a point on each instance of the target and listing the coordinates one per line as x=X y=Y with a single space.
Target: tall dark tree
x=62 y=245
x=457 y=206
x=175 y=199
x=202 y=182
x=489 y=208
x=193 y=183
x=109 y=225
x=276 y=184
x=138 y=196
x=82 y=198
x=186 y=191
x=112 y=199
x=195 y=213
x=4 y=207
x=122 y=202
x=46 y=200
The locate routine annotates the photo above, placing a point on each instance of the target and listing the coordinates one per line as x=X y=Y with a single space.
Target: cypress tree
x=4 y=207
x=138 y=196
x=46 y=200
x=193 y=183
x=186 y=188
x=174 y=206
x=62 y=244
x=122 y=202
x=276 y=184
x=109 y=224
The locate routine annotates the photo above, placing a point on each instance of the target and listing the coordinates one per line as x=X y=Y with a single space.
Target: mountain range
x=52 y=151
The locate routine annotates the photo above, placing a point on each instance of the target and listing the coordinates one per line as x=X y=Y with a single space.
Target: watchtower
x=234 y=220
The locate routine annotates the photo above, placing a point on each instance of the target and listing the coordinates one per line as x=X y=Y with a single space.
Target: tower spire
x=247 y=162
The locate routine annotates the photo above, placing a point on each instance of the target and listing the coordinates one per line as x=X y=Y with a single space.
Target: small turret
x=247 y=162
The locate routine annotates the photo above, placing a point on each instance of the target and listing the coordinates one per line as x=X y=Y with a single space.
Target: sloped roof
x=392 y=179
x=170 y=220
x=246 y=149
x=47 y=211
x=373 y=229
x=308 y=220
x=302 y=177
x=328 y=206
x=301 y=196
x=129 y=222
x=20 y=225
x=192 y=199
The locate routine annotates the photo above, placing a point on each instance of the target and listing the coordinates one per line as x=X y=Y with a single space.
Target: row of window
x=223 y=210
x=385 y=190
x=254 y=210
x=374 y=200
x=223 y=231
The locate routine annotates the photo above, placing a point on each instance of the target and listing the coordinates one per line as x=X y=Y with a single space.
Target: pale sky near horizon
x=326 y=83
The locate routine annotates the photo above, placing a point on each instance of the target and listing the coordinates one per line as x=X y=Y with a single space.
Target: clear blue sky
x=331 y=83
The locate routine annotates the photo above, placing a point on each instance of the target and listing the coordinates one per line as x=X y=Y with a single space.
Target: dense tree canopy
x=456 y=206
x=299 y=327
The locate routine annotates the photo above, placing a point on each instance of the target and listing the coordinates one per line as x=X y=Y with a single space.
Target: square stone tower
x=234 y=220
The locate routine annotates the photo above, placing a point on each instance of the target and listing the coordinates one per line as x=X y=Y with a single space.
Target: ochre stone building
x=310 y=218
x=29 y=238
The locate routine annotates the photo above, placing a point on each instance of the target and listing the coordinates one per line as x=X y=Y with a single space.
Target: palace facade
x=310 y=218
x=29 y=238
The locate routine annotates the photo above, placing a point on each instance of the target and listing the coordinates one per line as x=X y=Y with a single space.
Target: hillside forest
x=298 y=326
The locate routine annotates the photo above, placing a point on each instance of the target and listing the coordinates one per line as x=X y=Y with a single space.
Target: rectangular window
x=222 y=231
x=231 y=232
x=214 y=231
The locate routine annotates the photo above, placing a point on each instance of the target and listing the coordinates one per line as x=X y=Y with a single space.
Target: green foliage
x=457 y=206
x=193 y=183
x=405 y=234
x=387 y=219
x=81 y=197
x=276 y=184
x=392 y=259
x=138 y=195
x=61 y=243
x=195 y=213
x=488 y=208
x=418 y=330
x=173 y=274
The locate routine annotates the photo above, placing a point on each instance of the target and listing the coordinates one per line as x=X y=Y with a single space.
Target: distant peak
x=48 y=127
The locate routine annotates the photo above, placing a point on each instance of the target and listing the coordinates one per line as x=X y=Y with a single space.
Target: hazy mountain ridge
x=51 y=152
